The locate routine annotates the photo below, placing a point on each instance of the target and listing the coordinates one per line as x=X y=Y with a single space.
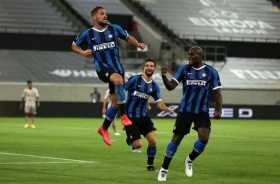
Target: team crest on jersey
x=204 y=75
x=110 y=36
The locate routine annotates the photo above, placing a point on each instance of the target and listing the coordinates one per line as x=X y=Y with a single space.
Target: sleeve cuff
x=158 y=100
x=217 y=87
x=173 y=78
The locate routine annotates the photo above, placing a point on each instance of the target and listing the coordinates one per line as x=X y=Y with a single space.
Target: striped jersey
x=138 y=92
x=105 y=46
x=197 y=85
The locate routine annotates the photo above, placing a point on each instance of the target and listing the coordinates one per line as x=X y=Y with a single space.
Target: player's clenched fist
x=164 y=70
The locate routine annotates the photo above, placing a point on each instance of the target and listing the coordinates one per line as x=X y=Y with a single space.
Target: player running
x=30 y=99
x=140 y=88
x=101 y=44
x=200 y=82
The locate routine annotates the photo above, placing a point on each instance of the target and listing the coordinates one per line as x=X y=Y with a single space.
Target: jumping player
x=101 y=44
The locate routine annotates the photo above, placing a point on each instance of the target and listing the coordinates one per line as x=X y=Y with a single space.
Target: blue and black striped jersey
x=197 y=86
x=138 y=92
x=105 y=46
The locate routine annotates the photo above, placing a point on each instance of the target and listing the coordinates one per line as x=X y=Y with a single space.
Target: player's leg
x=182 y=127
x=26 y=115
x=32 y=116
x=202 y=125
x=133 y=135
x=109 y=117
x=118 y=81
x=151 y=150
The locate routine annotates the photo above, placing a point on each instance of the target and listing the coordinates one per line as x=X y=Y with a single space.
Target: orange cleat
x=105 y=135
x=125 y=120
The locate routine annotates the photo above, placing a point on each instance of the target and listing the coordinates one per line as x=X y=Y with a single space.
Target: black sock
x=122 y=108
x=150 y=160
x=106 y=124
x=193 y=155
x=166 y=162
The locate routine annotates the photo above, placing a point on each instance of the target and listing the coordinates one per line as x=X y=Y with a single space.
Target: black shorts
x=104 y=75
x=140 y=126
x=184 y=122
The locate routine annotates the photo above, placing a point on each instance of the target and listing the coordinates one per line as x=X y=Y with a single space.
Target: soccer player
x=102 y=45
x=107 y=106
x=30 y=99
x=140 y=88
x=200 y=82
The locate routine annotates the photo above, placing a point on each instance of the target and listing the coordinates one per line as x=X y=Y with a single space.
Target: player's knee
x=116 y=79
x=171 y=149
x=137 y=144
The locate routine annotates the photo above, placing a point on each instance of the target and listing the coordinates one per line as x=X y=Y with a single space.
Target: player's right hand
x=86 y=53
x=103 y=111
x=164 y=70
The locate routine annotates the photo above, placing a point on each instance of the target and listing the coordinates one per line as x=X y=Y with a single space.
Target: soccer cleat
x=150 y=167
x=105 y=135
x=134 y=150
x=162 y=174
x=26 y=125
x=188 y=167
x=33 y=126
x=125 y=120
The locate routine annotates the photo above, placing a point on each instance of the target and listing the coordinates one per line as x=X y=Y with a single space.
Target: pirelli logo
x=103 y=46
x=196 y=83
x=140 y=95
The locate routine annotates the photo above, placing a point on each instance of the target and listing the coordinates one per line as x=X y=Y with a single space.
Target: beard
x=149 y=74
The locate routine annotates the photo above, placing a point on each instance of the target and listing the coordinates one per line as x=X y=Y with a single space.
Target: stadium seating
x=113 y=6
x=29 y=16
x=240 y=20
x=51 y=66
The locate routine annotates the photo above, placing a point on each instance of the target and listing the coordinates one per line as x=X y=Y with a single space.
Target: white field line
x=34 y=163
x=46 y=157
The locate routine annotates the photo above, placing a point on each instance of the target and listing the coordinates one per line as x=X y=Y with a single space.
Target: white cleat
x=188 y=167
x=162 y=174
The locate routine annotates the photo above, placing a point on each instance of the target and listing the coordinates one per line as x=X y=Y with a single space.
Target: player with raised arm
x=140 y=88
x=102 y=45
x=30 y=102
x=200 y=82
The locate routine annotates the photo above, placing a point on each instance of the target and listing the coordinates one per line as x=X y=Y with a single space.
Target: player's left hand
x=217 y=115
x=38 y=104
x=141 y=45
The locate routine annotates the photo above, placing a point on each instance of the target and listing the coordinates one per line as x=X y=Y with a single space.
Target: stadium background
x=241 y=39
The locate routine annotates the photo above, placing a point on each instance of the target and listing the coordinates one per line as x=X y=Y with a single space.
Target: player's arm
x=161 y=105
x=217 y=101
x=133 y=41
x=77 y=49
x=80 y=40
x=122 y=34
x=37 y=99
x=169 y=84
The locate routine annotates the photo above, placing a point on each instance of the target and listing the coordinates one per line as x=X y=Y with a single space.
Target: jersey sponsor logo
x=141 y=95
x=196 y=83
x=104 y=46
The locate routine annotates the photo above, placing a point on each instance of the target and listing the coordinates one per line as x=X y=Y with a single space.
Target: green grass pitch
x=68 y=151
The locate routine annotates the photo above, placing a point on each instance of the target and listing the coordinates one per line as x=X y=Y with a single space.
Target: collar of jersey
x=102 y=30
x=203 y=66
x=147 y=81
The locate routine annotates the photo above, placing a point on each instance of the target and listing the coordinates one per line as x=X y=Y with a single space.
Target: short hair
x=95 y=10
x=29 y=81
x=196 y=47
x=150 y=60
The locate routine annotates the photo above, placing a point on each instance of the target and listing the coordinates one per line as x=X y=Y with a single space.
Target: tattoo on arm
x=169 y=84
x=217 y=100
